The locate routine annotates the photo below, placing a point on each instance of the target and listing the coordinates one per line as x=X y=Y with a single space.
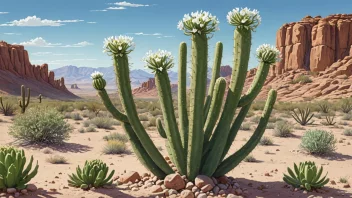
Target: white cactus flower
x=268 y=53
x=244 y=18
x=158 y=61
x=96 y=75
x=118 y=45
x=198 y=22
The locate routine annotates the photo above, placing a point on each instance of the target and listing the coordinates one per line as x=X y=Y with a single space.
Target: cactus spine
x=206 y=131
x=23 y=103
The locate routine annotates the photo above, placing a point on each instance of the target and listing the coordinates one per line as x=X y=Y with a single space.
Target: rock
x=174 y=181
x=31 y=187
x=189 y=185
x=216 y=190
x=172 y=192
x=222 y=192
x=11 y=190
x=222 y=186
x=207 y=188
x=24 y=191
x=238 y=191
x=17 y=194
x=187 y=194
x=156 y=188
x=346 y=186
x=131 y=176
x=332 y=182
x=195 y=189
x=231 y=196
x=202 y=180
x=202 y=195
x=223 y=180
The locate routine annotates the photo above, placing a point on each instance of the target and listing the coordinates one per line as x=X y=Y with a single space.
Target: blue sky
x=71 y=32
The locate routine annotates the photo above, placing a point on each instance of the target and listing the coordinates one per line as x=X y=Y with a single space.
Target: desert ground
x=262 y=178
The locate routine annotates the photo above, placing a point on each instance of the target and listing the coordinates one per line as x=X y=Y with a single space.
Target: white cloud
x=144 y=34
x=116 y=8
x=39 y=42
x=35 y=21
x=53 y=54
x=92 y=22
x=128 y=4
x=81 y=44
x=11 y=33
x=41 y=53
x=59 y=62
x=98 y=10
x=4 y=12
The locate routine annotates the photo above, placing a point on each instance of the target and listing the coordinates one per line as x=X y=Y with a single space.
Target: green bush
x=143 y=117
x=114 y=147
x=282 y=129
x=318 y=142
x=116 y=136
x=40 y=125
x=270 y=126
x=91 y=128
x=102 y=122
x=347 y=116
x=266 y=141
x=347 y=132
x=56 y=159
x=76 y=116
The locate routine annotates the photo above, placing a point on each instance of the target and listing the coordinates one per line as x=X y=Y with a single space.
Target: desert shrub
x=70 y=109
x=102 y=122
x=245 y=126
x=47 y=151
x=250 y=114
x=302 y=79
x=152 y=121
x=85 y=113
x=270 y=126
x=329 y=120
x=94 y=107
x=67 y=115
x=266 y=141
x=346 y=105
x=62 y=107
x=91 y=128
x=282 y=129
x=156 y=112
x=318 y=142
x=76 y=116
x=347 y=132
x=56 y=159
x=274 y=119
x=303 y=116
x=116 y=136
x=143 y=117
x=116 y=122
x=344 y=123
x=7 y=109
x=250 y=158
x=255 y=119
x=40 y=125
x=258 y=105
x=324 y=107
x=347 y=116
x=86 y=123
x=80 y=106
x=114 y=147
x=81 y=130
x=343 y=180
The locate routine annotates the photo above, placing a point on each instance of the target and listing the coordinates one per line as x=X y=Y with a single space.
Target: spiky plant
x=346 y=105
x=13 y=173
x=329 y=119
x=303 y=116
x=306 y=176
x=324 y=107
x=206 y=131
x=93 y=174
x=23 y=103
x=7 y=109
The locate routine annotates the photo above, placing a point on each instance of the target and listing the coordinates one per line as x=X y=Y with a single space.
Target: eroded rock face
x=314 y=43
x=15 y=59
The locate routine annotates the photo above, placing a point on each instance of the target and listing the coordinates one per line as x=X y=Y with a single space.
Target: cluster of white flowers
x=268 y=53
x=96 y=75
x=198 y=22
x=158 y=61
x=244 y=18
x=118 y=45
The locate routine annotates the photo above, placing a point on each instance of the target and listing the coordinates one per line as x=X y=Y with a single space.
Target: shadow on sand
x=64 y=147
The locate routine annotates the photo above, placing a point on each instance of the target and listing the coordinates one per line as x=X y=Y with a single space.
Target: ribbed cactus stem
x=215 y=107
x=256 y=85
x=242 y=47
x=182 y=95
x=141 y=153
x=215 y=76
x=162 y=82
x=233 y=160
x=23 y=103
x=197 y=96
x=110 y=107
x=122 y=76
x=160 y=128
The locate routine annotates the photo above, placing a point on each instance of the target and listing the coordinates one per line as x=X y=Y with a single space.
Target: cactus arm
x=197 y=97
x=162 y=82
x=215 y=108
x=235 y=127
x=256 y=85
x=182 y=95
x=234 y=159
x=242 y=46
x=110 y=107
x=141 y=153
x=215 y=75
x=160 y=128
x=122 y=76
x=28 y=97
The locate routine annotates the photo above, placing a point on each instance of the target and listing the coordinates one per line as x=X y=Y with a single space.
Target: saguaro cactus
x=23 y=103
x=206 y=131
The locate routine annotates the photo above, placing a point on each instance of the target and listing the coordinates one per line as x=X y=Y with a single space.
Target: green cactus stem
x=160 y=128
x=233 y=160
x=23 y=103
x=197 y=96
x=40 y=97
x=162 y=82
x=110 y=107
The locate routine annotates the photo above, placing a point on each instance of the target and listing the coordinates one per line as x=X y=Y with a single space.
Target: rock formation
x=15 y=59
x=74 y=86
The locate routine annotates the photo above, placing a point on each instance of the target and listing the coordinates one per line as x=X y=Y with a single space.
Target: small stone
x=189 y=185
x=202 y=180
x=236 y=184
x=207 y=188
x=332 y=182
x=238 y=191
x=131 y=176
x=172 y=192
x=214 y=180
x=296 y=189
x=135 y=189
x=31 y=187
x=222 y=192
x=159 y=182
x=24 y=191
x=223 y=180
x=145 y=175
x=149 y=184
x=277 y=149
x=196 y=194
x=202 y=195
x=231 y=196
x=123 y=187
x=346 y=186
x=156 y=189
x=17 y=194
x=216 y=190
x=222 y=186
x=305 y=192
x=267 y=174
x=11 y=190
x=166 y=158
x=174 y=181
x=187 y=194
x=194 y=189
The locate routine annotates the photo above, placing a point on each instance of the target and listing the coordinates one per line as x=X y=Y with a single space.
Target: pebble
x=187 y=194
x=172 y=192
x=202 y=195
x=11 y=190
x=17 y=194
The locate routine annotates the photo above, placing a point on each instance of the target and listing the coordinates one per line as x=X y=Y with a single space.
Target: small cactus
x=40 y=97
x=23 y=103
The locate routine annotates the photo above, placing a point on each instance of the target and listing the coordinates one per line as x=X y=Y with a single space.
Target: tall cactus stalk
x=23 y=103
x=206 y=131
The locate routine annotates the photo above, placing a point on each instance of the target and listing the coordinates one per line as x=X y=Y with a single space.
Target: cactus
x=23 y=103
x=40 y=97
x=206 y=131
x=306 y=176
x=13 y=173
x=93 y=174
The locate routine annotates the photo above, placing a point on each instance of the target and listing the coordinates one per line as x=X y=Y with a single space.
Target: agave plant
x=94 y=174
x=346 y=105
x=329 y=119
x=303 y=117
x=12 y=172
x=306 y=176
x=324 y=107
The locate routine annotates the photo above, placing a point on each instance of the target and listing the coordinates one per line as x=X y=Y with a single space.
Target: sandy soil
x=52 y=179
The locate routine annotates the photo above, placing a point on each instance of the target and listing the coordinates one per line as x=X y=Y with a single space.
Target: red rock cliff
x=15 y=59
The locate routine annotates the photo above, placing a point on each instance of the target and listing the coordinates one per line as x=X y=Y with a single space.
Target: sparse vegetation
x=303 y=117
x=116 y=136
x=8 y=109
x=346 y=105
x=318 y=142
x=91 y=128
x=302 y=79
x=250 y=158
x=324 y=107
x=56 y=159
x=266 y=141
x=347 y=132
x=245 y=126
x=76 y=116
x=329 y=119
x=282 y=129
x=102 y=122
x=114 y=147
